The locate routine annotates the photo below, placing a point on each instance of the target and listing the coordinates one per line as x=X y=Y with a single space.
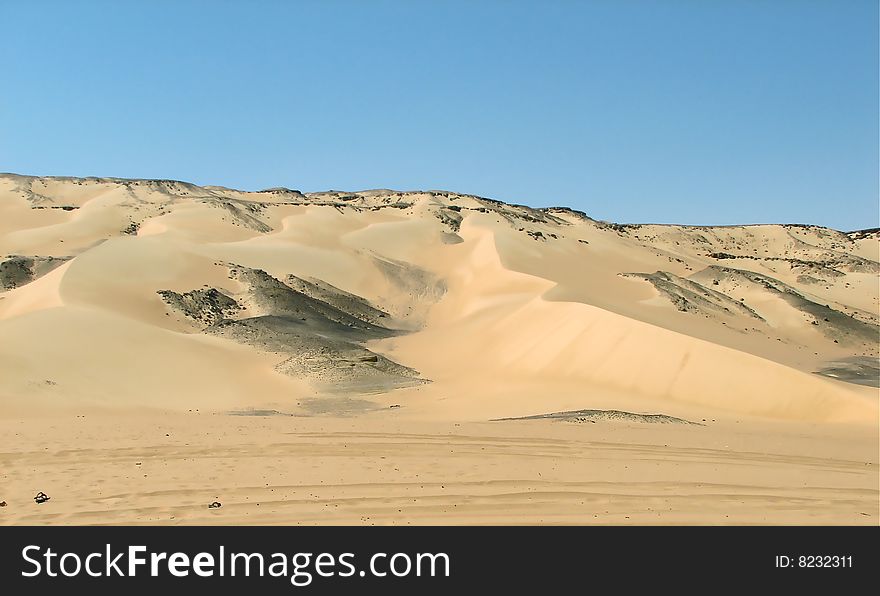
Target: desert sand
x=423 y=357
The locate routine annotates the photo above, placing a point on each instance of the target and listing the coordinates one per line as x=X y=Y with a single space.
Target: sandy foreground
x=348 y=358
x=382 y=469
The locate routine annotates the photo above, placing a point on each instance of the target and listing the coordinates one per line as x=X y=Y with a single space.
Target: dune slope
x=465 y=307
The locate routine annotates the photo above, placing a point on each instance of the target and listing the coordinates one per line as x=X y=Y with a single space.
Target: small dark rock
x=41 y=497
x=215 y=505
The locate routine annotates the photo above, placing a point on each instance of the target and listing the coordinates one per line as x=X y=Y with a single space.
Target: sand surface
x=167 y=468
x=143 y=324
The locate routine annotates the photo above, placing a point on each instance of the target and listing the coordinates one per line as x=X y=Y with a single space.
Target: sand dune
x=136 y=299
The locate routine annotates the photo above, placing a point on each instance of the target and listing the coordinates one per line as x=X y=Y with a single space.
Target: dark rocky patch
x=347 y=302
x=862 y=234
x=581 y=416
x=16 y=270
x=858 y=370
x=836 y=325
x=132 y=229
x=451 y=218
x=689 y=296
x=243 y=213
x=256 y=412
x=319 y=329
x=205 y=306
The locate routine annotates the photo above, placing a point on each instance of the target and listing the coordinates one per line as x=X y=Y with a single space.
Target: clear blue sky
x=704 y=112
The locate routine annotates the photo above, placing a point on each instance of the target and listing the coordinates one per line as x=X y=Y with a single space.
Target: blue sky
x=699 y=112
